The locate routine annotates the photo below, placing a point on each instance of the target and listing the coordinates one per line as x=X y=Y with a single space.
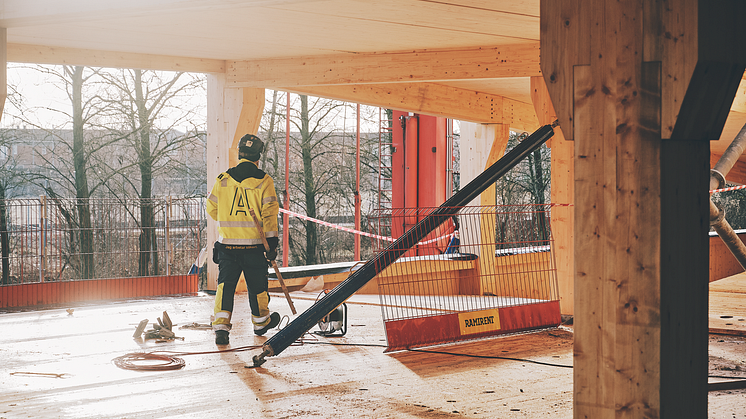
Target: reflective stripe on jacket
x=235 y=191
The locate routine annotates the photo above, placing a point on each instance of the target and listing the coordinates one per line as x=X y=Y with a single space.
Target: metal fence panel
x=43 y=239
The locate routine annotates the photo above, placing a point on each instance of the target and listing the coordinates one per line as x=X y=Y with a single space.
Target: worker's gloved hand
x=271 y=255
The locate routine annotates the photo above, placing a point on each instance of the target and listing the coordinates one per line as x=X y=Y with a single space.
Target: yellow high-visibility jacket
x=235 y=191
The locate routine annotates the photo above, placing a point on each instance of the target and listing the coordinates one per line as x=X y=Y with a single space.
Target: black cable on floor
x=445 y=353
x=549 y=364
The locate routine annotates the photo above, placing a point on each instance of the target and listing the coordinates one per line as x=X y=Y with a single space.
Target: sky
x=42 y=93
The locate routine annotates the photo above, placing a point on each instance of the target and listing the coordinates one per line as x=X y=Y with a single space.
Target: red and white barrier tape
x=350 y=230
x=729 y=189
x=338 y=227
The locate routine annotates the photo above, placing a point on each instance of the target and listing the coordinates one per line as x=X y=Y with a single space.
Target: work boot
x=274 y=320
x=221 y=337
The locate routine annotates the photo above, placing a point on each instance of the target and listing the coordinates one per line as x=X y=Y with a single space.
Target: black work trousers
x=253 y=264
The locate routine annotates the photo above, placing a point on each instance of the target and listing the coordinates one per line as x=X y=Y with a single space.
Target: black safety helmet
x=250 y=146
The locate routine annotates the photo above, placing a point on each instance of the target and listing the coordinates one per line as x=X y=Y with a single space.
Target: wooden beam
x=562 y=47
x=708 y=98
x=692 y=106
x=433 y=99
x=38 y=54
x=252 y=107
x=392 y=67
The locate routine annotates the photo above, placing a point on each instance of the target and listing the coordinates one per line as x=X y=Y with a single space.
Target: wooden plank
x=41 y=54
x=430 y=99
x=425 y=267
x=521 y=60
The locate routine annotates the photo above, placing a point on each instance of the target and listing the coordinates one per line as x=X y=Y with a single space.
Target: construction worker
x=239 y=247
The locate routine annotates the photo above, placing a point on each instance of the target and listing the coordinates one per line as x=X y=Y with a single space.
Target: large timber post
x=481 y=146
x=231 y=113
x=562 y=195
x=641 y=87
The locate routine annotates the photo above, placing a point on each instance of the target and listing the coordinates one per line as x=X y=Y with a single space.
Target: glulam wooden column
x=641 y=87
x=231 y=113
x=562 y=194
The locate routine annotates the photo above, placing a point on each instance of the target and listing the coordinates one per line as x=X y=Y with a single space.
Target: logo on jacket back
x=240 y=203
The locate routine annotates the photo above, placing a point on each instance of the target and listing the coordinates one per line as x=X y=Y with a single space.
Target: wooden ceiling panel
x=205 y=35
x=275 y=29
x=460 y=19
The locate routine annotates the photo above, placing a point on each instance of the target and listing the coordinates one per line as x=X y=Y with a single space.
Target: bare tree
x=526 y=184
x=72 y=158
x=149 y=106
x=319 y=158
x=270 y=122
x=11 y=180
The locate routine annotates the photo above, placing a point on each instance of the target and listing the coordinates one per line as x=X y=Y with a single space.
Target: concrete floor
x=59 y=365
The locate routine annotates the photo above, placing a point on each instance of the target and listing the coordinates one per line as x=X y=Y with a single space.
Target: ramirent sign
x=479 y=321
